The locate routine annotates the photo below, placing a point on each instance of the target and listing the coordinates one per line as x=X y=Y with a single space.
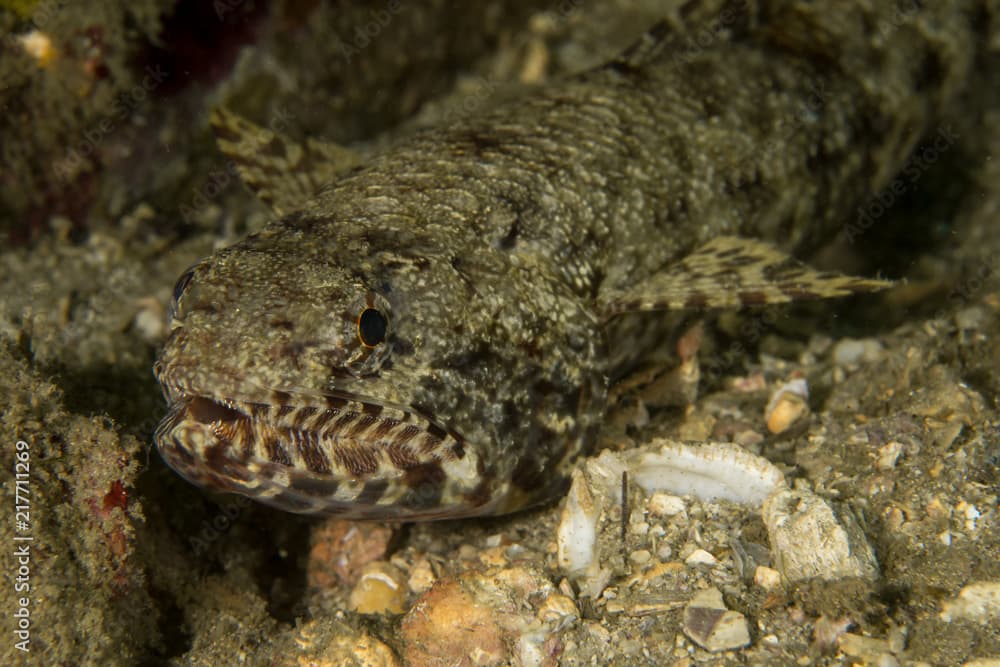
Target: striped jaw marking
x=335 y=455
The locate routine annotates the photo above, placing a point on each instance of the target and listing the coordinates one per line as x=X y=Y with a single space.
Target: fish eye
x=372 y=326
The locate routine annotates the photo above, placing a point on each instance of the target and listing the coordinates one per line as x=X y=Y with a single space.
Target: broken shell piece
x=788 y=405
x=809 y=541
x=710 y=625
x=577 y=532
x=712 y=471
x=380 y=590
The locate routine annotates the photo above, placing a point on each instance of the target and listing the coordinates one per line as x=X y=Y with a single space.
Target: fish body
x=432 y=334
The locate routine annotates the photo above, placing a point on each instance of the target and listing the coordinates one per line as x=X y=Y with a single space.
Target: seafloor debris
x=381 y=589
x=330 y=643
x=809 y=541
x=711 y=625
x=978 y=602
x=788 y=406
x=713 y=471
x=501 y=616
x=341 y=550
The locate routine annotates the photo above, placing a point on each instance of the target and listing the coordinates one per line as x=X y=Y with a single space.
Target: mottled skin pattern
x=490 y=247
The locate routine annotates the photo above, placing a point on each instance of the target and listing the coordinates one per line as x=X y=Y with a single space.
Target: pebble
x=665 y=504
x=809 y=541
x=850 y=352
x=701 y=557
x=888 y=454
x=870 y=649
x=447 y=626
x=710 y=625
x=767 y=578
x=381 y=589
x=558 y=608
x=422 y=576
x=788 y=406
x=978 y=602
x=329 y=643
x=341 y=549
x=641 y=556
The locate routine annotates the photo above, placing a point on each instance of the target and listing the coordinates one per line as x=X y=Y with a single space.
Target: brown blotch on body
x=312 y=454
x=799 y=293
x=385 y=426
x=753 y=298
x=372 y=492
x=303 y=415
x=359 y=461
x=335 y=402
x=218 y=460
x=276 y=452
x=407 y=433
x=696 y=300
x=318 y=487
x=426 y=482
x=480 y=495
x=401 y=456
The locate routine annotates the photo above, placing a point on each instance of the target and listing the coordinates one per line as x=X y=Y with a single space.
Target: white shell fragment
x=577 y=532
x=711 y=626
x=663 y=469
x=713 y=471
x=809 y=541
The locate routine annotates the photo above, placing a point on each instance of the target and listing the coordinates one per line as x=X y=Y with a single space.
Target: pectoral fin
x=731 y=272
x=283 y=173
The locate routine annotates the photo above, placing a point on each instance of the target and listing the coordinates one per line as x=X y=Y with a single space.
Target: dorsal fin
x=284 y=174
x=731 y=272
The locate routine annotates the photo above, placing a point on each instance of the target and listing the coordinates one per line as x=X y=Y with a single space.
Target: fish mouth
x=334 y=454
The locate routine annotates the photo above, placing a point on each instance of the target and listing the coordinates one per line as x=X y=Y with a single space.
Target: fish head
x=379 y=375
